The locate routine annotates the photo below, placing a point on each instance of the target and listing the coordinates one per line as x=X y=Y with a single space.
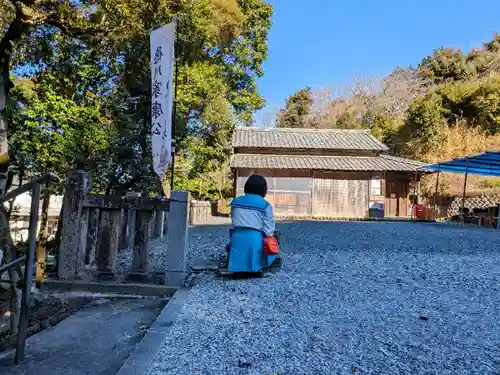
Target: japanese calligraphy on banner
x=162 y=68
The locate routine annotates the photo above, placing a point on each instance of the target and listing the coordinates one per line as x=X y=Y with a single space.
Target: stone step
x=205 y=265
x=225 y=272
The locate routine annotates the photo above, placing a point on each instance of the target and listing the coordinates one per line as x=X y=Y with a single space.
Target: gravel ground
x=367 y=298
x=205 y=242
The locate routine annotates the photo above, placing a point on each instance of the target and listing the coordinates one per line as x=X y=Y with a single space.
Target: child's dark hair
x=257 y=185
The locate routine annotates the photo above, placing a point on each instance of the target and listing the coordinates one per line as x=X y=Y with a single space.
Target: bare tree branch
x=366 y=98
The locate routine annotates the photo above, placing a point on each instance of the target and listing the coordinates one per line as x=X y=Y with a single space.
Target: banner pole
x=174 y=110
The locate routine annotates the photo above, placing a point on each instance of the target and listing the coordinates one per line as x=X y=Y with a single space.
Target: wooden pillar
x=436 y=193
x=464 y=191
x=235 y=182
x=415 y=193
x=72 y=247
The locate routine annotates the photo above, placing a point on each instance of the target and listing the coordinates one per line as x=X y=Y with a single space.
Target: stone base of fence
x=200 y=211
x=330 y=218
x=473 y=201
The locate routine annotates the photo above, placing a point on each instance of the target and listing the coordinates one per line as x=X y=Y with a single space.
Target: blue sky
x=321 y=43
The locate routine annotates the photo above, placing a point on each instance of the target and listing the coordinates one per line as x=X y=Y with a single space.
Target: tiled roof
x=332 y=139
x=333 y=163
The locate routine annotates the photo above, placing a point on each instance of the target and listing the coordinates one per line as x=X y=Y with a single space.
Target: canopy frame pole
x=415 y=199
x=465 y=187
x=498 y=217
x=436 y=191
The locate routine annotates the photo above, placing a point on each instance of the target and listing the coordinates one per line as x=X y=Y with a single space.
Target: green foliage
x=463 y=89
x=222 y=47
x=50 y=132
x=446 y=64
x=6 y=14
x=425 y=120
x=82 y=88
x=296 y=111
x=203 y=170
x=490 y=183
x=384 y=127
x=485 y=102
x=350 y=119
x=475 y=102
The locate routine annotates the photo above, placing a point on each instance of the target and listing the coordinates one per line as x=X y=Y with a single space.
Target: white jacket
x=252 y=211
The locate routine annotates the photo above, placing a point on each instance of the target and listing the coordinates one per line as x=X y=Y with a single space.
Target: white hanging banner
x=162 y=69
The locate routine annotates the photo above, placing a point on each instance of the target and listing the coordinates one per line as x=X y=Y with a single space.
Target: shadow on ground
x=96 y=340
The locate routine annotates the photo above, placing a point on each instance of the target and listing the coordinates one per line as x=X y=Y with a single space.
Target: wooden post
x=177 y=237
x=415 y=199
x=465 y=188
x=435 y=193
x=109 y=237
x=71 y=249
x=498 y=217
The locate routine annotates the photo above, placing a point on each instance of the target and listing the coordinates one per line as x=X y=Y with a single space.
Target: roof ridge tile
x=341 y=139
x=325 y=162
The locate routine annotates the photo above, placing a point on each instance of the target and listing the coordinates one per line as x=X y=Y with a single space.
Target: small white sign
x=375 y=187
x=162 y=68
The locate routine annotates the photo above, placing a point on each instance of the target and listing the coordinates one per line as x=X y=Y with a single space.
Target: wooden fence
x=96 y=227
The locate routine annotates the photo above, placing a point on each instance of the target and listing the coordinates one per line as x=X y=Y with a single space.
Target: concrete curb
x=63 y=286
x=141 y=359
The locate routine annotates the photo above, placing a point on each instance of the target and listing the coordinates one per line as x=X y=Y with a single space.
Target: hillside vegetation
x=448 y=106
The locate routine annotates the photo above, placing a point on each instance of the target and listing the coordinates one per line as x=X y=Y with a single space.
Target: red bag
x=271 y=246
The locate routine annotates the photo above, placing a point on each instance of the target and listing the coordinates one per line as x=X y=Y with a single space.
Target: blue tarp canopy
x=485 y=164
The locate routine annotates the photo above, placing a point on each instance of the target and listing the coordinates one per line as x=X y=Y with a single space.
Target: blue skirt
x=247 y=251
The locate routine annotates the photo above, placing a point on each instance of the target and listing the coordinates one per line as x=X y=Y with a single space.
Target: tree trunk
x=4 y=146
x=14 y=32
x=44 y=219
x=59 y=229
x=5 y=235
x=42 y=240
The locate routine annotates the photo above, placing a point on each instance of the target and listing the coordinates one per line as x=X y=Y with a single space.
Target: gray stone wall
x=199 y=212
x=473 y=201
